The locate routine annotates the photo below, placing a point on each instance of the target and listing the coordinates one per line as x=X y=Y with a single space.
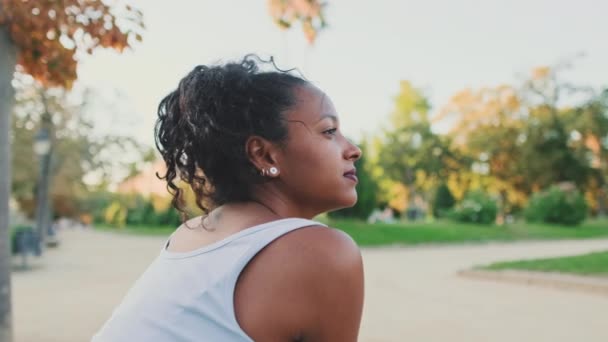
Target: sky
x=441 y=46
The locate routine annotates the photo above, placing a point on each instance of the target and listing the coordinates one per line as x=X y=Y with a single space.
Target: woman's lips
x=352 y=175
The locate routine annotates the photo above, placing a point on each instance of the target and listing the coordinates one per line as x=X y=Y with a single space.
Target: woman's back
x=189 y=296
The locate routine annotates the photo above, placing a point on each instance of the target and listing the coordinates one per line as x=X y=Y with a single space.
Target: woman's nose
x=353 y=152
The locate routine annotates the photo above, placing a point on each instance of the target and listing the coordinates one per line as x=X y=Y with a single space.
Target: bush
x=141 y=211
x=136 y=210
x=170 y=217
x=558 y=206
x=116 y=214
x=476 y=207
x=443 y=202
x=95 y=204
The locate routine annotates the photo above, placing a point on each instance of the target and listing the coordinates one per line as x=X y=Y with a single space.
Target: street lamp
x=42 y=142
x=42 y=148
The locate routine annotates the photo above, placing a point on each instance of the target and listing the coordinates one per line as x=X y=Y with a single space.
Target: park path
x=412 y=293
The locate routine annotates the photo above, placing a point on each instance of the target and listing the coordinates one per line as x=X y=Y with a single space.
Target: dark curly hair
x=203 y=125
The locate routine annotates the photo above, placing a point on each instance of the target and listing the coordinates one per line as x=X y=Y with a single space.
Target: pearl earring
x=274 y=171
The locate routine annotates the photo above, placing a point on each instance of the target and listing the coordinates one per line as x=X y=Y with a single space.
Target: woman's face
x=317 y=164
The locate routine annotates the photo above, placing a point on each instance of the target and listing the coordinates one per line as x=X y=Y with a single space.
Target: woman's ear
x=263 y=155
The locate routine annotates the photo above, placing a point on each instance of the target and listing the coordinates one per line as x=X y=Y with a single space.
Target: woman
x=263 y=153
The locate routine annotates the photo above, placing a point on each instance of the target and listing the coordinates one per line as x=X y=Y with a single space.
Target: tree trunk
x=42 y=200
x=412 y=210
x=7 y=68
x=501 y=218
x=601 y=204
x=8 y=53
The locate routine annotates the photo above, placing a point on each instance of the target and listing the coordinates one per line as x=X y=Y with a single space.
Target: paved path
x=412 y=294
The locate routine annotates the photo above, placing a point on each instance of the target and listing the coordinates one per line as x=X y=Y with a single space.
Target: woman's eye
x=330 y=131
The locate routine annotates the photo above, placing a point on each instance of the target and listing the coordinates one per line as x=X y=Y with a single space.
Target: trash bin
x=26 y=240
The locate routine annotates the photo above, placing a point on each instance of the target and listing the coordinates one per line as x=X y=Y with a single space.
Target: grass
x=438 y=232
x=138 y=230
x=587 y=264
x=452 y=232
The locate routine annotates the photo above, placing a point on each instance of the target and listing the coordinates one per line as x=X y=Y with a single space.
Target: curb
x=595 y=285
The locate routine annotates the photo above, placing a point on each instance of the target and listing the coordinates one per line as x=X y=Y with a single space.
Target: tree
x=410 y=129
x=411 y=153
x=443 y=201
x=547 y=135
x=44 y=38
x=523 y=138
x=488 y=130
x=78 y=150
x=588 y=125
x=8 y=58
x=308 y=12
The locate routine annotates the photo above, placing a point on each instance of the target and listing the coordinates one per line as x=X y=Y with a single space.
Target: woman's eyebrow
x=331 y=116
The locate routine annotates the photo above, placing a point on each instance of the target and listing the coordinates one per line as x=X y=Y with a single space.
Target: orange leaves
x=49 y=33
x=48 y=61
x=540 y=73
x=308 y=12
x=472 y=110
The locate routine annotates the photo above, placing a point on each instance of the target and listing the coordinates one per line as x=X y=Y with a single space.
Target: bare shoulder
x=319 y=246
x=306 y=252
x=309 y=283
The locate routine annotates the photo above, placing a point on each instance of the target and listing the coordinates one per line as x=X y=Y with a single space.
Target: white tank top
x=189 y=296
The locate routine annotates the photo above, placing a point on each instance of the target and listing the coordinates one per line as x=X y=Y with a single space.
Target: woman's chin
x=347 y=201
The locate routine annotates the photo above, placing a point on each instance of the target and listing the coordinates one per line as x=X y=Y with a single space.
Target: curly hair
x=203 y=126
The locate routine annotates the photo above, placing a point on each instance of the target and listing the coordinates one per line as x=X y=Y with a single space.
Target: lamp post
x=42 y=148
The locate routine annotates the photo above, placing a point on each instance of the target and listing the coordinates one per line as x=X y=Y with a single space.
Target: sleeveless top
x=188 y=297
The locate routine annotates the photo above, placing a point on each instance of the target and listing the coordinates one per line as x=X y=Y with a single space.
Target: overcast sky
x=442 y=46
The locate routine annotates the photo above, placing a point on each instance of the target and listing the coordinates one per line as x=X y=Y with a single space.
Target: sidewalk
x=412 y=294
x=595 y=285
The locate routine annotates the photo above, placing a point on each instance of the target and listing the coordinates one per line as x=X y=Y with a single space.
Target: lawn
x=587 y=264
x=435 y=232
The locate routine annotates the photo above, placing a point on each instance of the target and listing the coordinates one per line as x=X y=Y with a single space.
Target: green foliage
x=513 y=139
x=566 y=207
x=410 y=153
x=134 y=210
x=444 y=201
x=411 y=107
x=140 y=211
x=547 y=148
x=116 y=214
x=410 y=141
x=476 y=207
x=169 y=217
x=95 y=204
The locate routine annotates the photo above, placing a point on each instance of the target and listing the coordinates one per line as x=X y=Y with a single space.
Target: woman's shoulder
x=317 y=243
x=299 y=278
x=315 y=253
x=307 y=252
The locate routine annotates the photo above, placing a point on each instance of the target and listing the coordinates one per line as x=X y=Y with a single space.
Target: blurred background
x=483 y=194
